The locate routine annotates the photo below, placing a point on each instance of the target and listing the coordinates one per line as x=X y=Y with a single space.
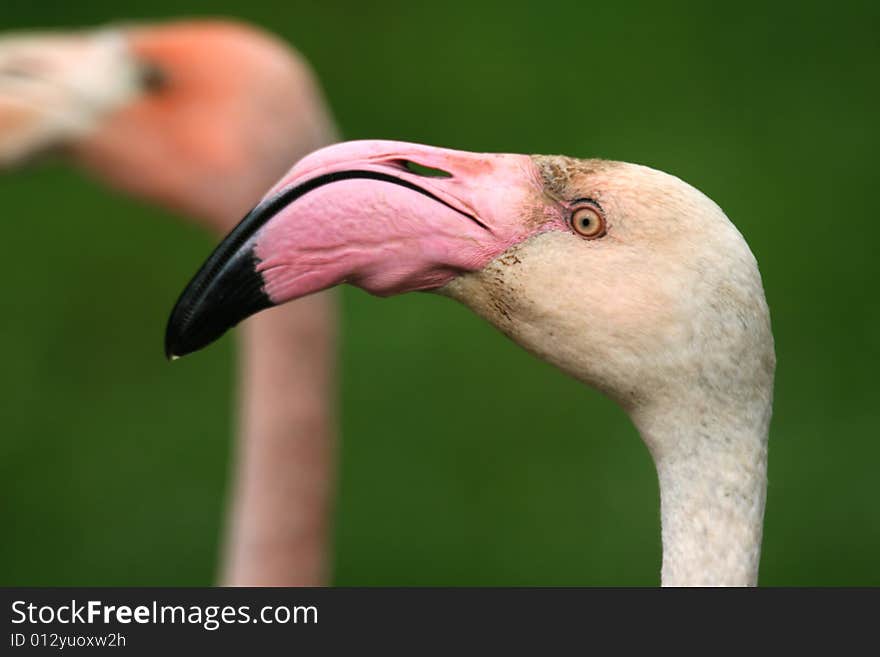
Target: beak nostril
x=13 y=72
x=24 y=65
x=422 y=170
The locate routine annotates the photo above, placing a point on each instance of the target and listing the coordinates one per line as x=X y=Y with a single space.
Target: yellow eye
x=588 y=222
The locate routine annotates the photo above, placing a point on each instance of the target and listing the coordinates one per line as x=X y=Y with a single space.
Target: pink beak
x=388 y=217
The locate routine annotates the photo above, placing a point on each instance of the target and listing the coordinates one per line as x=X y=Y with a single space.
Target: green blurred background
x=464 y=460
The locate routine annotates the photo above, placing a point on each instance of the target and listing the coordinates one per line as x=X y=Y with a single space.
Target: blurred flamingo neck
x=712 y=470
x=278 y=529
x=278 y=526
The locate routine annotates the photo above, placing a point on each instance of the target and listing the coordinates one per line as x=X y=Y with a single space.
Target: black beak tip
x=180 y=333
x=174 y=347
x=169 y=351
x=216 y=299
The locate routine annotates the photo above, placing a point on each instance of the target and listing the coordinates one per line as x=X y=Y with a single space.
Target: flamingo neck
x=278 y=525
x=712 y=469
x=278 y=529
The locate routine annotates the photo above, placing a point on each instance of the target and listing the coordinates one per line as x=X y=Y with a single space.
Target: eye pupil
x=589 y=222
x=152 y=77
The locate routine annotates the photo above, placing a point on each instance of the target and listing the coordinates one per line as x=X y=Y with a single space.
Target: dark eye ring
x=588 y=221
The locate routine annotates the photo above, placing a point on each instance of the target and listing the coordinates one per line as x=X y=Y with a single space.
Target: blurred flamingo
x=201 y=117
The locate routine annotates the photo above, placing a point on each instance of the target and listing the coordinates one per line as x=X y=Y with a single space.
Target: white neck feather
x=713 y=482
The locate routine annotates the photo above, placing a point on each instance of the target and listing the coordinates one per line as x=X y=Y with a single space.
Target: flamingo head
x=623 y=276
x=188 y=114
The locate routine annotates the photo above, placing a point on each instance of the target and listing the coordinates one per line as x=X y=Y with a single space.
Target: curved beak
x=54 y=88
x=388 y=217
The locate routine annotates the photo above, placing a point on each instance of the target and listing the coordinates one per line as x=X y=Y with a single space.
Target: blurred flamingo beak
x=388 y=217
x=54 y=88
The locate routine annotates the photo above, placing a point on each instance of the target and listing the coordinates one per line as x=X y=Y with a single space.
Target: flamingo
x=624 y=277
x=200 y=117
